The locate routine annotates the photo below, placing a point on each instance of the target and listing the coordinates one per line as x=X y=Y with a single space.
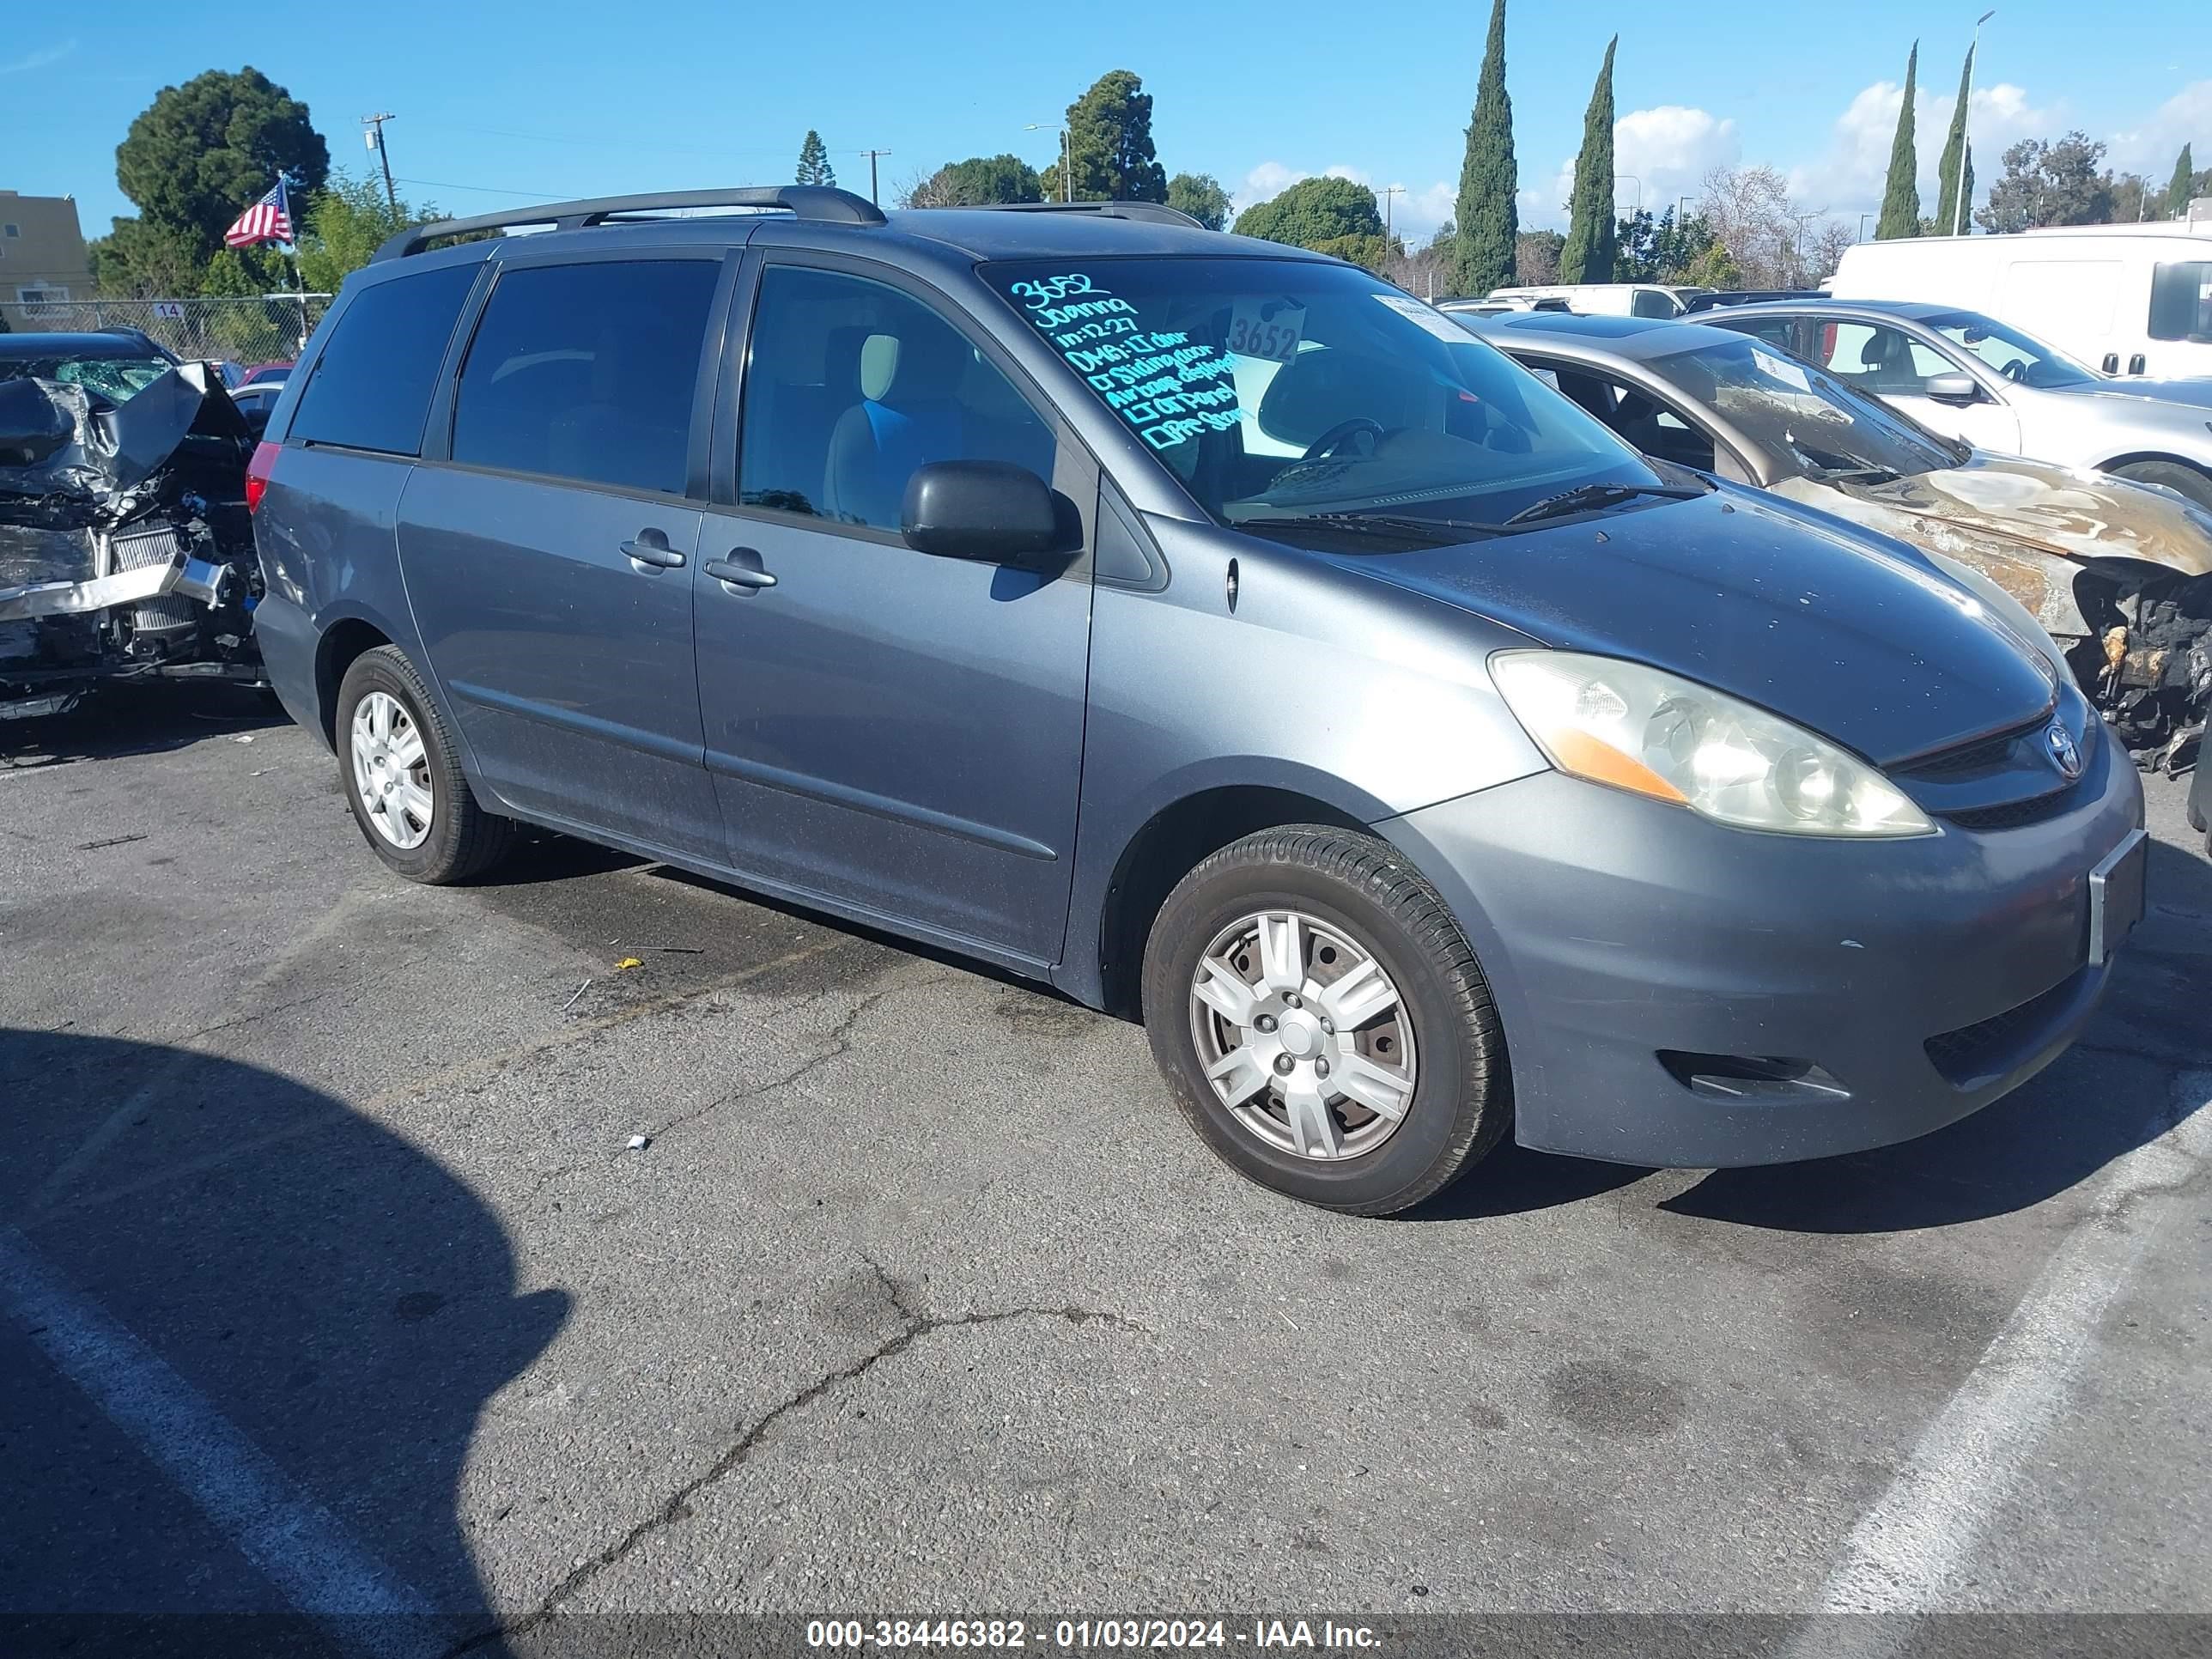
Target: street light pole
x=1966 y=123
x=1066 y=184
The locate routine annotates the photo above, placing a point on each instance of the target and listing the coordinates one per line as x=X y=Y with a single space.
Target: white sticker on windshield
x=1781 y=368
x=1267 y=328
x=1425 y=317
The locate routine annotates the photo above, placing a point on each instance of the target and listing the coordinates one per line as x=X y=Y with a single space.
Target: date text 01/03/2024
x=1084 y=1634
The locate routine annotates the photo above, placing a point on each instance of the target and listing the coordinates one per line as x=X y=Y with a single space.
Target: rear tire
x=2177 y=476
x=1362 y=936
x=403 y=777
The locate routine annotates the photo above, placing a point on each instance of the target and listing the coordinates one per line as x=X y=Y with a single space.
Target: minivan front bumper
x=1678 y=993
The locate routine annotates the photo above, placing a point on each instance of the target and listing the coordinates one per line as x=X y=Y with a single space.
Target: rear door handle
x=656 y=553
x=742 y=569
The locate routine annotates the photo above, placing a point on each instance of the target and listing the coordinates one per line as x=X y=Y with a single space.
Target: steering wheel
x=2016 y=370
x=1327 y=442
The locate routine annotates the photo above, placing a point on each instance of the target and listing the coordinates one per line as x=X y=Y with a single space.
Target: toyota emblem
x=2065 y=754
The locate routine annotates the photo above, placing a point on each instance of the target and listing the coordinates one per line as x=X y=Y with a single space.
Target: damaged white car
x=126 y=549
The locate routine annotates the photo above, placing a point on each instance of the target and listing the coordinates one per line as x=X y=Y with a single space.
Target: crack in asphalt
x=913 y=1325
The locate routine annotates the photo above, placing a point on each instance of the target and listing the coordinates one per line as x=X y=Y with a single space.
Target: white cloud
x=1269 y=179
x=2149 y=150
x=1415 y=214
x=44 y=57
x=1846 y=179
x=1659 y=155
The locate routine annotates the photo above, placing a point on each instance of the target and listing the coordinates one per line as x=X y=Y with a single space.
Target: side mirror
x=992 y=511
x=1957 y=390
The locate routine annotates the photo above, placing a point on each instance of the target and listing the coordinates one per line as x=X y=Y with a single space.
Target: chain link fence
x=257 y=329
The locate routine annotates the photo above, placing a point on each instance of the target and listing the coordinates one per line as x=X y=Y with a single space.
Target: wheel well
x=2119 y=461
x=1175 y=841
x=341 y=642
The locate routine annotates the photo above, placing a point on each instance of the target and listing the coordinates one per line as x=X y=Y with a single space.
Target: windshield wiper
x=1585 y=498
x=1395 y=526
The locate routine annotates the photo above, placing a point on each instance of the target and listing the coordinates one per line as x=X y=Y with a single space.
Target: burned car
x=126 y=549
x=2118 y=572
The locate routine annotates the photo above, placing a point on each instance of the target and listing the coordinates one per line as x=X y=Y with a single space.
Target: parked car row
x=1228 y=638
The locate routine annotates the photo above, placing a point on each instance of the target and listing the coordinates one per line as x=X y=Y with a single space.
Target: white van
x=1602 y=299
x=2126 y=298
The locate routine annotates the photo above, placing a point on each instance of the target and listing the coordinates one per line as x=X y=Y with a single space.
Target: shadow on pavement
x=250 y=1305
x=136 y=720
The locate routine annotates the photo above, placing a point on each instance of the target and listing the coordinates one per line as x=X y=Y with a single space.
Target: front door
x=548 y=556
x=1892 y=365
x=899 y=733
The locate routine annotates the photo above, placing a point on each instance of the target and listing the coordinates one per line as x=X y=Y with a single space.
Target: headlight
x=1634 y=728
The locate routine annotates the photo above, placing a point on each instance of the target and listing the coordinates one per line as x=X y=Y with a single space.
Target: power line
x=491 y=190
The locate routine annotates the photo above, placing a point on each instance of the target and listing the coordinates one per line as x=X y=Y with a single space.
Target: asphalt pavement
x=331 y=1284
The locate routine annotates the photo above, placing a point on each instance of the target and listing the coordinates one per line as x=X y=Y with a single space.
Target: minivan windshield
x=1808 y=420
x=1286 y=391
x=2012 y=354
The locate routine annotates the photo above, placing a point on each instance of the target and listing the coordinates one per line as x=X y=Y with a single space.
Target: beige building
x=42 y=258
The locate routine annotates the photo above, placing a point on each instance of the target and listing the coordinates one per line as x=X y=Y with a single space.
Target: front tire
x=403 y=777
x=1323 y=1023
x=2177 y=476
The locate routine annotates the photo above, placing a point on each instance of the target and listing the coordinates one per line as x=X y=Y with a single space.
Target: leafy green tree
x=814 y=166
x=979 y=181
x=1900 y=199
x=1958 y=160
x=1201 y=195
x=2049 y=184
x=1370 y=250
x=1312 y=212
x=1715 y=267
x=2177 y=189
x=141 y=261
x=1488 y=211
x=1109 y=144
x=200 y=154
x=1590 y=236
x=1660 y=250
x=345 y=224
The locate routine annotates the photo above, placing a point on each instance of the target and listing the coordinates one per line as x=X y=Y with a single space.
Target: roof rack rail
x=1154 y=212
x=820 y=203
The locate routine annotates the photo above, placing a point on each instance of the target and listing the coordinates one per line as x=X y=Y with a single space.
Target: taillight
x=257 y=474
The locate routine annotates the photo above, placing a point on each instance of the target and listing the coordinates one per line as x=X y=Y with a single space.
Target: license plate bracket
x=2116 y=896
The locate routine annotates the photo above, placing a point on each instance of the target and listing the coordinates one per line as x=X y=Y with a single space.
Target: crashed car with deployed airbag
x=2117 y=572
x=125 y=549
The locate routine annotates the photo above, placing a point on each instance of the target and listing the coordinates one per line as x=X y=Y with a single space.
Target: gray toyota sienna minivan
x=1210 y=631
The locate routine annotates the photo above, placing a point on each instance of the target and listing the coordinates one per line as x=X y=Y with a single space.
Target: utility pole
x=872 y=155
x=1389 y=190
x=373 y=131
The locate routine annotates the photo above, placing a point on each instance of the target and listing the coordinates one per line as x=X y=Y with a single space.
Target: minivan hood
x=2082 y=513
x=1855 y=638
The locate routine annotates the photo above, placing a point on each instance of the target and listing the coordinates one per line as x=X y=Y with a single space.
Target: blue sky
x=499 y=102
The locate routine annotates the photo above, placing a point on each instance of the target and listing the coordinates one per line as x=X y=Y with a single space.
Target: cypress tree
x=2183 y=180
x=1488 y=214
x=1900 y=199
x=1958 y=161
x=814 y=166
x=1588 y=256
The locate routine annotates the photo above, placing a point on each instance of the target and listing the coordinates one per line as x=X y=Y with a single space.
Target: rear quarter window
x=371 y=387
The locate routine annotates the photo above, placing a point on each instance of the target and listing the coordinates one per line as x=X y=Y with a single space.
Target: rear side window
x=586 y=372
x=2181 y=302
x=371 y=388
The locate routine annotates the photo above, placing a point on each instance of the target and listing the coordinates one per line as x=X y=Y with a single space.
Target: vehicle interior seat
x=622 y=433
x=907 y=413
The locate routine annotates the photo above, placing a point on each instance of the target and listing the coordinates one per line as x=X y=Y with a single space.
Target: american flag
x=268 y=219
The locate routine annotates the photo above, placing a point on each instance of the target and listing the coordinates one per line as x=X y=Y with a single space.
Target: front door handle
x=652 y=550
x=741 y=570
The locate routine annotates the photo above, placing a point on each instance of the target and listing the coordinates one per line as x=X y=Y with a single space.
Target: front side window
x=2015 y=356
x=587 y=371
x=371 y=387
x=1280 y=391
x=2181 y=302
x=1875 y=358
x=853 y=384
x=1812 y=426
